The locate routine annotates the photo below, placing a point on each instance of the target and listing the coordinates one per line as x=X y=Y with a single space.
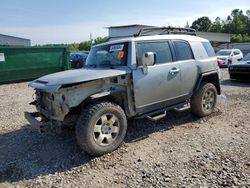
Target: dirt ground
x=177 y=151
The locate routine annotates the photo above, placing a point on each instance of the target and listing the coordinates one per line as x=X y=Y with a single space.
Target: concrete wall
x=216 y=37
x=13 y=41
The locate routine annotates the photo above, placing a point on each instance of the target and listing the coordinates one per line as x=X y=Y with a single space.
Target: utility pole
x=90 y=37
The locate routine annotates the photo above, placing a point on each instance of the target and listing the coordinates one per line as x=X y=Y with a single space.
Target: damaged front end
x=54 y=107
x=60 y=106
x=51 y=111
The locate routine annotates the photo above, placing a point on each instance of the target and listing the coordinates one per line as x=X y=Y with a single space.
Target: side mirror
x=148 y=59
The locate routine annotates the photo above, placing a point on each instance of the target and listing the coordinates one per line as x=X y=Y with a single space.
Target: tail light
x=219 y=61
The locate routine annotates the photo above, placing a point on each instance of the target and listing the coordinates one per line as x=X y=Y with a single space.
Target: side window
x=161 y=49
x=209 y=49
x=182 y=50
x=236 y=52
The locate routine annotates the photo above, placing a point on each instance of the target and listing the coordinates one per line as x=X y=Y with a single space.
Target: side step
x=161 y=113
x=156 y=117
x=182 y=108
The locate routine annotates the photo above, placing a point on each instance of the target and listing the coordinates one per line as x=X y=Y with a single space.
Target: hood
x=245 y=62
x=241 y=64
x=54 y=81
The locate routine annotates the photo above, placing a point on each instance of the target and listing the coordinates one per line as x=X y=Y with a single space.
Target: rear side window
x=236 y=52
x=161 y=49
x=209 y=49
x=183 y=50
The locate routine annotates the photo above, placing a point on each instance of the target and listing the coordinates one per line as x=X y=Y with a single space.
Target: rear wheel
x=204 y=100
x=101 y=128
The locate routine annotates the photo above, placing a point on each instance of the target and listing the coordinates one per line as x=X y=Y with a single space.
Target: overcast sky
x=60 y=21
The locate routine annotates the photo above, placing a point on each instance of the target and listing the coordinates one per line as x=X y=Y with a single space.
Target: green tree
x=202 y=24
x=236 y=23
x=237 y=38
x=216 y=26
x=100 y=40
x=248 y=21
x=86 y=45
x=73 y=47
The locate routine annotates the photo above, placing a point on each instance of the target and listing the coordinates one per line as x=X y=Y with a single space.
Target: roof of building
x=14 y=37
x=132 y=25
x=212 y=36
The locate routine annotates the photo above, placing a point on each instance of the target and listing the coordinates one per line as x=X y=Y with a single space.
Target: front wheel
x=101 y=128
x=204 y=100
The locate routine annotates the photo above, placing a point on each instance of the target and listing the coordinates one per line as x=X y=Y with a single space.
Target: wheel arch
x=210 y=77
x=118 y=98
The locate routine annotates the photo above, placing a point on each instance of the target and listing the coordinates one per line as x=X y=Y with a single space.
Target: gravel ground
x=177 y=151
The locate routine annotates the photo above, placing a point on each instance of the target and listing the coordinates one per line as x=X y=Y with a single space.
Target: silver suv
x=142 y=76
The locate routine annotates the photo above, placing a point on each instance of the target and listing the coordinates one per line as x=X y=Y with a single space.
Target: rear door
x=161 y=84
x=188 y=67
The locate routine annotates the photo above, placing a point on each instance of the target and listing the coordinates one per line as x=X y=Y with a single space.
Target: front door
x=160 y=85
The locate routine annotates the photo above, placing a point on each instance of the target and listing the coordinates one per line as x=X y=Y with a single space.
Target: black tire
x=204 y=100
x=101 y=128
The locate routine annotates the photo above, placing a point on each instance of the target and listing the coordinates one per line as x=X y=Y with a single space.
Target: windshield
x=224 y=52
x=247 y=57
x=108 y=55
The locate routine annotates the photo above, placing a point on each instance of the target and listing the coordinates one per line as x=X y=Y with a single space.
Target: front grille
x=44 y=100
x=240 y=76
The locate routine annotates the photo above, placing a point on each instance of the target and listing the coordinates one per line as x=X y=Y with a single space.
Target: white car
x=229 y=56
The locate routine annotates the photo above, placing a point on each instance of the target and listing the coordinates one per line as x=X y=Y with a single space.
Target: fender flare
x=216 y=80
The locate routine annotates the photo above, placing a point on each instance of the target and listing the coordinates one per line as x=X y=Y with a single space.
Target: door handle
x=174 y=70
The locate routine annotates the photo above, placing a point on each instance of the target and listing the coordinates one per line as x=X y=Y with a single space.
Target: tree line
x=82 y=46
x=237 y=24
x=86 y=45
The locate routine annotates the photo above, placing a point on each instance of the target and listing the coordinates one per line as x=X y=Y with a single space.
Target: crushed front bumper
x=34 y=123
x=40 y=126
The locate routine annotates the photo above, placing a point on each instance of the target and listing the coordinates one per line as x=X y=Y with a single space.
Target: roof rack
x=165 y=30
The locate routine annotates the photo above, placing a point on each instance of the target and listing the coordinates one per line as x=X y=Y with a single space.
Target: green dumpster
x=28 y=63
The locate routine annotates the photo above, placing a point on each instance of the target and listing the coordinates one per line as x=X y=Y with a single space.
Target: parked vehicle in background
x=241 y=70
x=219 y=62
x=229 y=56
x=78 y=59
x=139 y=77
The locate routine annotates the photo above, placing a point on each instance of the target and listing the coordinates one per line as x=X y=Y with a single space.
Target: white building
x=14 y=41
x=118 y=32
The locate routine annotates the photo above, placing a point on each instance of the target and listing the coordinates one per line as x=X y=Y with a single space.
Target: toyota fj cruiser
x=142 y=76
